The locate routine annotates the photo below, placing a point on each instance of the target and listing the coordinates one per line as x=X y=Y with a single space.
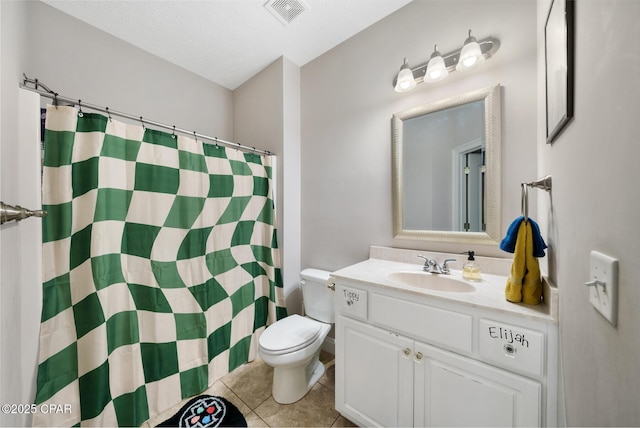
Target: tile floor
x=249 y=388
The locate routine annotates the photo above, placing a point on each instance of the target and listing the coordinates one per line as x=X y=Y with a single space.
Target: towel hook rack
x=543 y=183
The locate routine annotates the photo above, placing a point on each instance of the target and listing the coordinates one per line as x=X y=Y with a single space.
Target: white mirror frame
x=493 y=186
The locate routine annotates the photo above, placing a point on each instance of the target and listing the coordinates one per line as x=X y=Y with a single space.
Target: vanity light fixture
x=438 y=67
x=404 y=81
x=471 y=55
x=436 y=70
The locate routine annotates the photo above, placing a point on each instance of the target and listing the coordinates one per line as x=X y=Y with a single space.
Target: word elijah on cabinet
x=508 y=335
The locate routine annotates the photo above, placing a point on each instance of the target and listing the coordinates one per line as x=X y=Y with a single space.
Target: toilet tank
x=318 y=299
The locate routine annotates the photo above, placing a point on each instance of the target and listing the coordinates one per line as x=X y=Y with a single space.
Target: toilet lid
x=290 y=334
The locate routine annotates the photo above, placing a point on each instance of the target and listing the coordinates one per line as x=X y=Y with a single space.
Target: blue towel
x=508 y=243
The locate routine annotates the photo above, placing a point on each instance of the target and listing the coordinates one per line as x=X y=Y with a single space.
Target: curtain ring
x=194 y=136
x=524 y=202
x=80 y=113
x=55 y=100
x=109 y=114
x=142 y=122
x=173 y=135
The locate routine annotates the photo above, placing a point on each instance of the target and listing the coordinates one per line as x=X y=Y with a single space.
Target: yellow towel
x=513 y=291
x=524 y=283
x=532 y=284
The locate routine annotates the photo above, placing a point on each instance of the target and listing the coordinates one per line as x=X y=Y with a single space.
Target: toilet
x=292 y=345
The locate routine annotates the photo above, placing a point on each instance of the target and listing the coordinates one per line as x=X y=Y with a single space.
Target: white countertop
x=489 y=292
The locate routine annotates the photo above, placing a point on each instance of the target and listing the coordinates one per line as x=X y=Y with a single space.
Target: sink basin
x=430 y=281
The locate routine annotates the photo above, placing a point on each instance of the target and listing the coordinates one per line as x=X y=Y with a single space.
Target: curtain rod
x=48 y=93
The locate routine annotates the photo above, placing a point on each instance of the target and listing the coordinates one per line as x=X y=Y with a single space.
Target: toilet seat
x=289 y=334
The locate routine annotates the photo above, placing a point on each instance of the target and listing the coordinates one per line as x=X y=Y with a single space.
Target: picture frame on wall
x=559 y=66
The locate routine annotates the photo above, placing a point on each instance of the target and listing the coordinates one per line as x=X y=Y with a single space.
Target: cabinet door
x=452 y=390
x=374 y=375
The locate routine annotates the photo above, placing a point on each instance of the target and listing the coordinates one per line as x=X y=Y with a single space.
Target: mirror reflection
x=446 y=158
x=456 y=188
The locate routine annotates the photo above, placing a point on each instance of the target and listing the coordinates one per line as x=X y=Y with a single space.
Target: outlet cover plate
x=604 y=294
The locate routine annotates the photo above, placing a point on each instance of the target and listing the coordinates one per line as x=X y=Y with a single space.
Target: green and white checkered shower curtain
x=160 y=267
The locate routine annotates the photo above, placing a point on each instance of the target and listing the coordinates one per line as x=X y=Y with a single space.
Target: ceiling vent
x=286 y=10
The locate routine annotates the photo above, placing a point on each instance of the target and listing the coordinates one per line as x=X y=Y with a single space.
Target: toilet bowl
x=292 y=345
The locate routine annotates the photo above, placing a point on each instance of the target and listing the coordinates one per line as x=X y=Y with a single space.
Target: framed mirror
x=446 y=169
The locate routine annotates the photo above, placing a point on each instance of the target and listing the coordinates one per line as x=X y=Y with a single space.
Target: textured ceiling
x=228 y=41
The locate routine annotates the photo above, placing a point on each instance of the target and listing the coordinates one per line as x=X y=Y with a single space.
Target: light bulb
x=436 y=69
x=405 y=80
x=471 y=54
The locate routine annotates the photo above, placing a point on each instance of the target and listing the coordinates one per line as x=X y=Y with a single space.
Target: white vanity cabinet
x=376 y=372
x=408 y=360
x=452 y=390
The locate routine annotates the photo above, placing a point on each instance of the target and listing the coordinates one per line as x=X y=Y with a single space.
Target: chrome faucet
x=432 y=266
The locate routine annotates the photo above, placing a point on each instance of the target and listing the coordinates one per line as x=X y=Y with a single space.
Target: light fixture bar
x=488 y=47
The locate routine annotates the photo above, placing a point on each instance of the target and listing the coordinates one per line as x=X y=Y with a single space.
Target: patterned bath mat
x=206 y=411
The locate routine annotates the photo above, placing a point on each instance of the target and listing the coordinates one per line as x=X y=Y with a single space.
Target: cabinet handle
x=419 y=356
x=406 y=352
x=331 y=286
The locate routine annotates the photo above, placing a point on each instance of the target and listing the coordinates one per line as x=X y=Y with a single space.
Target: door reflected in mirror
x=446 y=169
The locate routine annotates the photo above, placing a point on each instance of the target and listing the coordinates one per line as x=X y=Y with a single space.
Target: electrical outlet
x=603 y=284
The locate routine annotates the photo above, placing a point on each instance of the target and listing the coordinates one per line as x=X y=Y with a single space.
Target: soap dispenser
x=471 y=270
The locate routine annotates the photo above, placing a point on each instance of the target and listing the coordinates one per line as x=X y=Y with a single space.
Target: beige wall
x=77 y=60
x=348 y=101
x=12 y=387
x=267 y=115
x=593 y=205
